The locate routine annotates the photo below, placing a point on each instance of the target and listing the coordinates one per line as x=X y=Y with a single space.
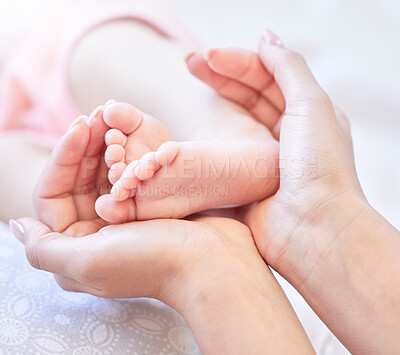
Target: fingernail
x=78 y=120
x=189 y=55
x=95 y=112
x=209 y=53
x=271 y=38
x=17 y=229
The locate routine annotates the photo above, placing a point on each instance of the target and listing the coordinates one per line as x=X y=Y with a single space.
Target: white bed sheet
x=38 y=317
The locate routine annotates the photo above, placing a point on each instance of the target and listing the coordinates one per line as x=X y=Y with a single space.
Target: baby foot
x=154 y=177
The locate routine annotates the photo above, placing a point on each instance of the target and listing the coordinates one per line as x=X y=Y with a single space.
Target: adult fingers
x=53 y=252
x=53 y=199
x=245 y=66
x=50 y=251
x=302 y=93
x=233 y=90
x=86 y=189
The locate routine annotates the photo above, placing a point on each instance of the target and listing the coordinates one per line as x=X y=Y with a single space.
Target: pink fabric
x=35 y=99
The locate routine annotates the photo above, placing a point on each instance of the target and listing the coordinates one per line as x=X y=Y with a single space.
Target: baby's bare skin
x=156 y=177
x=152 y=76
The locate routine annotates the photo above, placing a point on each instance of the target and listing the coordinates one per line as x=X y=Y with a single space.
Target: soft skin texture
x=122 y=72
x=207 y=268
x=155 y=177
x=318 y=231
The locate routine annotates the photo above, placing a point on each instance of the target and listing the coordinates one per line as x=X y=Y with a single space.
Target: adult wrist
x=235 y=304
x=344 y=273
x=316 y=241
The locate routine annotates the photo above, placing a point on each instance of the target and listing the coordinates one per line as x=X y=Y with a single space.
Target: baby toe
x=116 y=171
x=120 y=193
x=115 y=136
x=122 y=116
x=115 y=211
x=114 y=154
x=129 y=178
x=167 y=153
x=147 y=166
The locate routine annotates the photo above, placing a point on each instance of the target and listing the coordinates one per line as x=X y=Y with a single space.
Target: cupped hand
x=137 y=259
x=205 y=267
x=126 y=260
x=316 y=160
x=75 y=176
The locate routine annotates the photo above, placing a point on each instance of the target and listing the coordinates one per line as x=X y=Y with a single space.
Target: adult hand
x=316 y=155
x=75 y=176
x=207 y=268
x=318 y=231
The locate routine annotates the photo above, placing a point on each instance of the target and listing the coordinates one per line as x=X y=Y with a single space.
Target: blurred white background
x=353 y=48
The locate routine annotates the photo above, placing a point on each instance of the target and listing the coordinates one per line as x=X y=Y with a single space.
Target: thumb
x=302 y=93
x=45 y=250
x=34 y=228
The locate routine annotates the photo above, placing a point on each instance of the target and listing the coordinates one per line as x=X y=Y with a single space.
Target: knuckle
x=291 y=56
x=322 y=98
x=222 y=86
x=35 y=251
x=241 y=70
x=33 y=255
x=251 y=100
x=307 y=101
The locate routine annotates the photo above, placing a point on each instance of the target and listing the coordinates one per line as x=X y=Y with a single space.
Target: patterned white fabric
x=38 y=317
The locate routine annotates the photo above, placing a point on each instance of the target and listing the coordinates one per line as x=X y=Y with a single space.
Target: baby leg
x=130 y=62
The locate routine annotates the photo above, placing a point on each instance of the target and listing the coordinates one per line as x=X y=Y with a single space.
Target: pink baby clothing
x=35 y=98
